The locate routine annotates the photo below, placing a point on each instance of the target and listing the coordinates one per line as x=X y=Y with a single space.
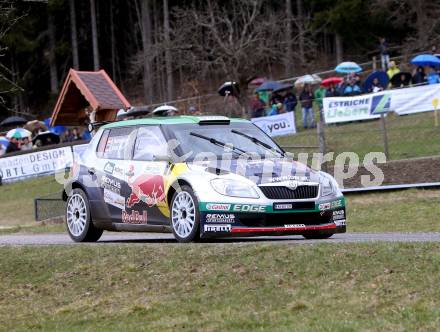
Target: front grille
x=301 y=192
x=281 y=219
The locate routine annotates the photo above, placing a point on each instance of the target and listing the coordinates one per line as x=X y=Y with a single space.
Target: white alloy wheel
x=183 y=214
x=76 y=215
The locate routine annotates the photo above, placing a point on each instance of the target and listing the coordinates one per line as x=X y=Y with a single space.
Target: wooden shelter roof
x=83 y=89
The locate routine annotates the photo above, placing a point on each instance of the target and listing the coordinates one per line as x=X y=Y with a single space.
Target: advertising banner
x=418 y=99
x=35 y=163
x=277 y=125
x=369 y=106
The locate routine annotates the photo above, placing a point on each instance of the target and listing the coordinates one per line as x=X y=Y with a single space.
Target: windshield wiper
x=258 y=142
x=218 y=143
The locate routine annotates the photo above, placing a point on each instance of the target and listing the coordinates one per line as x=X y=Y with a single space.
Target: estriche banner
x=369 y=106
x=277 y=125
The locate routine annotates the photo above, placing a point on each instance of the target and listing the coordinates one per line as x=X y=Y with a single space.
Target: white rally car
x=199 y=177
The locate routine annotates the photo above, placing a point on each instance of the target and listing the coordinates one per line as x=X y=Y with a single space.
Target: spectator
x=192 y=110
x=434 y=50
x=277 y=109
x=75 y=134
x=257 y=106
x=68 y=137
x=276 y=98
x=332 y=91
x=384 y=55
x=290 y=102
x=319 y=96
x=376 y=86
x=352 y=89
x=26 y=144
x=392 y=70
x=404 y=80
x=433 y=77
x=38 y=144
x=14 y=145
x=419 y=77
x=306 y=100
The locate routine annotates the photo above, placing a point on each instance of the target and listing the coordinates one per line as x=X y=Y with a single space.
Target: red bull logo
x=134 y=217
x=148 y=189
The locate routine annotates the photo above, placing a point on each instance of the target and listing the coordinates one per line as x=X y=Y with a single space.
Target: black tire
x=317 y=236
x=89 y=233
x=194 y=234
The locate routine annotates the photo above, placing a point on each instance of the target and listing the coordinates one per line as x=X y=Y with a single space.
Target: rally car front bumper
x=224 y=220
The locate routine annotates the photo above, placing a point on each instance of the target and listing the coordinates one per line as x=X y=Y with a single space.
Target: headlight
x=233 y=188
x=328 y=185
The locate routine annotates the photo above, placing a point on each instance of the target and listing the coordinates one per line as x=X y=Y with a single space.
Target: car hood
x=260 y=171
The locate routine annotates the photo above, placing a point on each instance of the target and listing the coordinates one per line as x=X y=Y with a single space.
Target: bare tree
x=73 y=34
x=8 y=84
x=339 y=48
x=168 y=63
x=237 y=43
x=51 y=53
x=94 y=35
x=146 y=50
x=289 y=37
x=421 y=14
x=301 y=30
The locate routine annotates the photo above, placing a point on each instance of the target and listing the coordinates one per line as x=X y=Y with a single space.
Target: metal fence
x=49 y=207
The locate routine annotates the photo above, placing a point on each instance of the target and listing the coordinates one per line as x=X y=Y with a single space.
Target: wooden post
x=321 y=137
x=383 y=128
x=435 y=104
x=373 y=62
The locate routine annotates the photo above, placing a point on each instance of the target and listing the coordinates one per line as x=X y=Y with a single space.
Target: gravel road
x=146 y=238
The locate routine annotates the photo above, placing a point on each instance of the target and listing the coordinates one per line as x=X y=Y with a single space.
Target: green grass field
x=409 y=137
x=17 y=200
x=218 y=287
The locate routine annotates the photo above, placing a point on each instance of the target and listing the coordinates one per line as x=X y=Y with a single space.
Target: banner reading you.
x=277 y=125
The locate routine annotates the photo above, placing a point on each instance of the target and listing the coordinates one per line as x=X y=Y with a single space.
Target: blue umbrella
x=380 y=75
x=58 y=130
x=269 y=85
x=4 y=142
x=426 y=60
x=348 y=67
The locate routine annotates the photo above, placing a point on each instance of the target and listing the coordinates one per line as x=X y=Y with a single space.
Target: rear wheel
x=79 y=223
x=317 y=236
x=185 y=216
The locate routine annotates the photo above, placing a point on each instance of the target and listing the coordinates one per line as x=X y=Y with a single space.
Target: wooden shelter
x=85 y=92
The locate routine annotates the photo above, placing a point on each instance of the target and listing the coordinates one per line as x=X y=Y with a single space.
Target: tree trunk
x=338 y=48
x=73 y=35
x=301 y=40
x=112 y=42
x=146 y=49
x=94 y=35
x=51 y=58
x=168 y=64
x=289 y=47
x=421 y=25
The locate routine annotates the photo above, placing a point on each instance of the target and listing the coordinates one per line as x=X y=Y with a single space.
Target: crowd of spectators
x=350 y=85
x=33 y=141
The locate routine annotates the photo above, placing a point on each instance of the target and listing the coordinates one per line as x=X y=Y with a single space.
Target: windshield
x=195 y=139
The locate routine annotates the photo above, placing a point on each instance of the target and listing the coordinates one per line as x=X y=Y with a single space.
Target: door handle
x=92 y=171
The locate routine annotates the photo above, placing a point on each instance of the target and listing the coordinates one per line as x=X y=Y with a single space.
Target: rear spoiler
x=213 y=120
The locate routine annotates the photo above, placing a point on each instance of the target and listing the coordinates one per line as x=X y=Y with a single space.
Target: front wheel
x=185 y=216
x=79 y=223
